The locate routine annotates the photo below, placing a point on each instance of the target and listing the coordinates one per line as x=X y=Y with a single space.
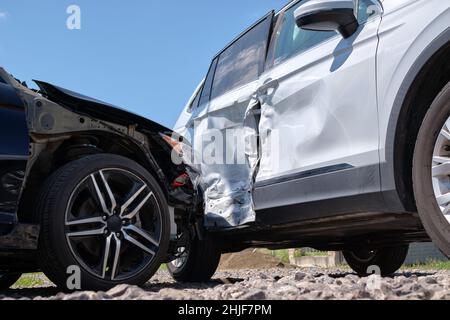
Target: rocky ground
x=280 y=283
x=256 y=275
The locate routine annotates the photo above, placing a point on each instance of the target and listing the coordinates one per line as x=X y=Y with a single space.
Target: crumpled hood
x=82 y=104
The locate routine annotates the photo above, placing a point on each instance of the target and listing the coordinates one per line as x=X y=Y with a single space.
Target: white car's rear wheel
x=385 y=260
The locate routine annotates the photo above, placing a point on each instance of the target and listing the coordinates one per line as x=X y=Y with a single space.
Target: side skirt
x=321 y=193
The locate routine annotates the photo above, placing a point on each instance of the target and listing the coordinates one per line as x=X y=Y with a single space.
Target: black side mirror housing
x=328 y=15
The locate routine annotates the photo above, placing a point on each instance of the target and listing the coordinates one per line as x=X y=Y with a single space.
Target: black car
x=87 y=184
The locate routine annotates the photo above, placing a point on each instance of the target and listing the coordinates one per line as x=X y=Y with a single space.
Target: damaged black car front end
x=43 y=130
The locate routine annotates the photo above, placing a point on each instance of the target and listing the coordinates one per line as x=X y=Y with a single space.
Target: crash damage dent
x=226 y=187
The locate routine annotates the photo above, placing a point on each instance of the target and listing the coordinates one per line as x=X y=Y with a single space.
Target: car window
x=206 y=92
x=243 y=61
x=195 y=101
x=290 y=40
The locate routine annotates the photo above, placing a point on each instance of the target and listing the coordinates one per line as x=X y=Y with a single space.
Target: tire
x=198 y=262
x=73 y=194
x=364 y=261
x=431 y=215
x=7 y=280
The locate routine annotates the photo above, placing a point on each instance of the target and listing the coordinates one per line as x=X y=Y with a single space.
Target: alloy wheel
x=113 y=224
x=181 y=259
x=441 y=170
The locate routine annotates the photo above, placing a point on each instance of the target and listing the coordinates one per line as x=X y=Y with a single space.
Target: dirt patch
x=249 y=259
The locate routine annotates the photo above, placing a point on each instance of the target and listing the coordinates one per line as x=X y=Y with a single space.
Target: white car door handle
x=270 y=84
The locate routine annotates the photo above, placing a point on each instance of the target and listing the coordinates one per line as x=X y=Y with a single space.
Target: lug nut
x=104 y=218
x=106 y=231
x=118 y=235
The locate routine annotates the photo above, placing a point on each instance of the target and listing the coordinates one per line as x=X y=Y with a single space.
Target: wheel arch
x=427 y=76
x=75 y=146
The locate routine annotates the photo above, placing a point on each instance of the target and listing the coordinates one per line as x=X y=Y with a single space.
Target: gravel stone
x=278 y=284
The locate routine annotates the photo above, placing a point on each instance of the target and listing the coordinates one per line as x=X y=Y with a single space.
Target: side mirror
x=328 y=15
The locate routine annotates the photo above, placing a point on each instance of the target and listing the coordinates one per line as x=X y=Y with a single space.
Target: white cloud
x=3 y=15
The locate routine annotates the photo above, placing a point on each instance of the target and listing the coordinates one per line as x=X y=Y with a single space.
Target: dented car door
x=319 y=112
x=217 y=128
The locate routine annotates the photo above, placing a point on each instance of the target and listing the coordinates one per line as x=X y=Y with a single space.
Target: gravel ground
x=281 y=283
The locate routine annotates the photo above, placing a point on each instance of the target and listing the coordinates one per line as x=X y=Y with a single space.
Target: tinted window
x=243 y=61
x=290 y=40
x=206 y=92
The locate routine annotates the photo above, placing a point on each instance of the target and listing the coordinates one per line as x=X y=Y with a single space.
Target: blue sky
x=144 y=55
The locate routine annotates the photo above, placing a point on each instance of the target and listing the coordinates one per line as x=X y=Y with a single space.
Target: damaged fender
x=55 y=115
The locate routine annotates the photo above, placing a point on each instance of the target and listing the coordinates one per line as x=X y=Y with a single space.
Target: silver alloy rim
x=182 y=258
x=113 y=224
x=441 y=170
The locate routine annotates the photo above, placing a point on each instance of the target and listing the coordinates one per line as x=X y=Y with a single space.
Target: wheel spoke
x=85 y=221
x=136 y=210
x=446 y=210
x=131 y=199
x=87 y=233
x=142 y=233
x=106 y=256
x=138 y=244
x=116 y=257
x=445 y=134
x=99 y=195
x=441 y=170
x=441 y=160
x=110 y=194
x=444 y=199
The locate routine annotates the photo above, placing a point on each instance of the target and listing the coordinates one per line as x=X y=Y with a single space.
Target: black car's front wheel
x=105 y=216
x=8 y=279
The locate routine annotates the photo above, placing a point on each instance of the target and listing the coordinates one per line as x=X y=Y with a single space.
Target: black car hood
x=82 y=104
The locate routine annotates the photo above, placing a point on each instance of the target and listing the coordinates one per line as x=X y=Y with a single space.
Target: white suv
x=342 y=114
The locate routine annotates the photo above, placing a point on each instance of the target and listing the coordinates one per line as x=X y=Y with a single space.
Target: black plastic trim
x=303 y=174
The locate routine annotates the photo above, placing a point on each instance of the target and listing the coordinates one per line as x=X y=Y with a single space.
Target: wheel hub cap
x=114 y=224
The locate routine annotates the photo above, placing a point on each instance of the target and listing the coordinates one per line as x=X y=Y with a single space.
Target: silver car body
x=334 y=110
